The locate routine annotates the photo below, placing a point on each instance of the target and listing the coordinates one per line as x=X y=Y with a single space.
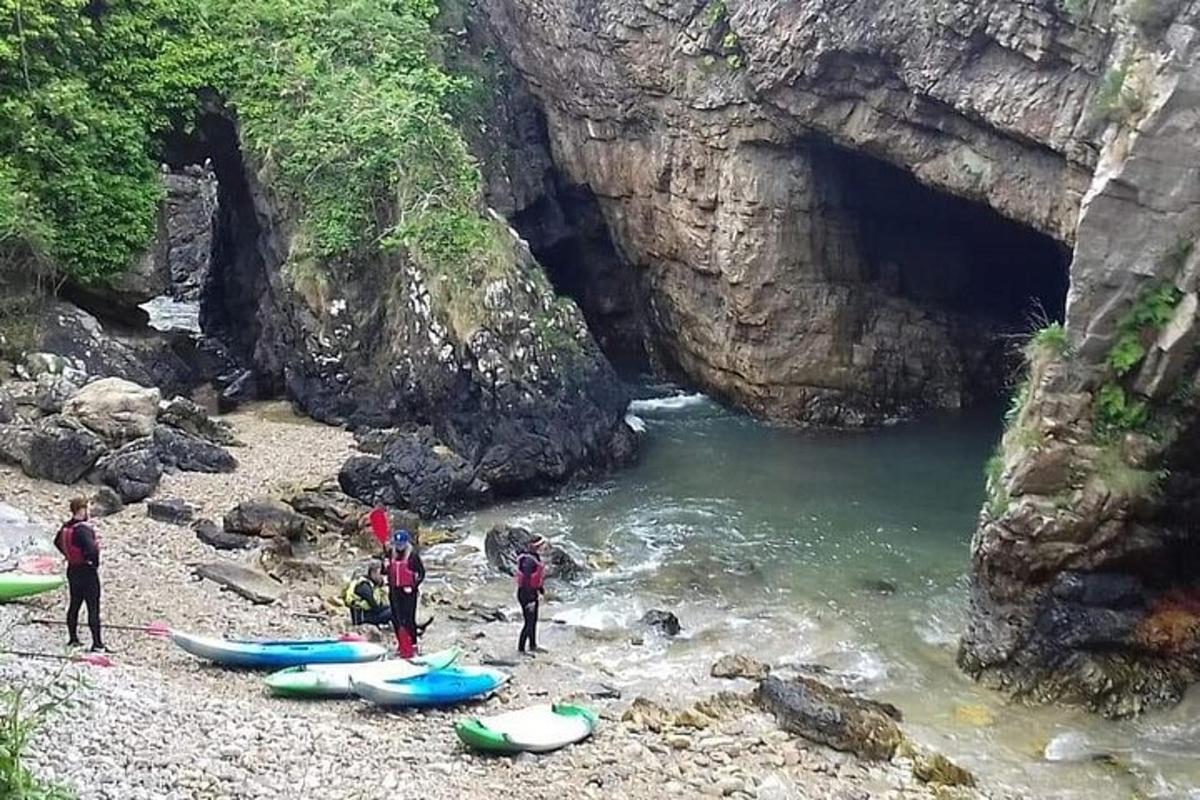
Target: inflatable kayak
x=333 y=680
x=537 y=729
x=266 y=654
x=22 y=584
x=441 y=688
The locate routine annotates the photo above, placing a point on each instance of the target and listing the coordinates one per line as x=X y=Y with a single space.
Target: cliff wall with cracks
x=709 y=132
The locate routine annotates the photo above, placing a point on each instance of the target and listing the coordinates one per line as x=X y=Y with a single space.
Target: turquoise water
x=845 y=550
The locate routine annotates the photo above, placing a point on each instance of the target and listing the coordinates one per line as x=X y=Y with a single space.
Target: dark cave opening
x=945 y=251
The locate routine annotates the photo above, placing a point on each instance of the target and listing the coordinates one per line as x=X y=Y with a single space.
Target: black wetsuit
x=83 y=582
x=529 y=598
x=404 y=603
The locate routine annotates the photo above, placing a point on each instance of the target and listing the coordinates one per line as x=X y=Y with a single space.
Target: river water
x=845 y=550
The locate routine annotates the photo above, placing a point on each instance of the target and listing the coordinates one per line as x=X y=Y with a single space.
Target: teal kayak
x=14 y=585
x=441 y=688
x=275 y=654
x=537 y=729
x=333 y=680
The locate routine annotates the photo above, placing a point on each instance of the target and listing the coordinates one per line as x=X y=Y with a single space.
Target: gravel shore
x=161 y=724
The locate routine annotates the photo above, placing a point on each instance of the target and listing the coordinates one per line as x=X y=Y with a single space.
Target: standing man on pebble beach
x=77 y=541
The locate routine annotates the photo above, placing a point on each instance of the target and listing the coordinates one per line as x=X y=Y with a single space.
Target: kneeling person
x=367 y=598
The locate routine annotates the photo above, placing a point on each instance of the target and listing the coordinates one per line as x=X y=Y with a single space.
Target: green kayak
x=334 y=680
x=537 y=729
x=20 y=584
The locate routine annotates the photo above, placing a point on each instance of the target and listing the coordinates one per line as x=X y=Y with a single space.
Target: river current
x=848 y=551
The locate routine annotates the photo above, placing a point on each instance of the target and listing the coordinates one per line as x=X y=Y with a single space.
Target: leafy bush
x=24 y=709
x=1116 y=413
x=1052 y=338
x=1153 y=309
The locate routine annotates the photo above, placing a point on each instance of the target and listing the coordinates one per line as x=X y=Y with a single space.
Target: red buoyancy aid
x=70 y=548
x=400 y=574
x=534 y=579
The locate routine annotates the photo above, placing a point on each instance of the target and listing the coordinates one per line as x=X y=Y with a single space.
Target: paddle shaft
x=107 y=626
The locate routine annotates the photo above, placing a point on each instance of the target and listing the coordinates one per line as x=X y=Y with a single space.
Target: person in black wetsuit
x=77 y=541
x=531 y=578
x=406 y=573
x=367 y=598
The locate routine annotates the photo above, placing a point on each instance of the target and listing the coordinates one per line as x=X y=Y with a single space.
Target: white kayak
x=333 y=680
x=537 y=729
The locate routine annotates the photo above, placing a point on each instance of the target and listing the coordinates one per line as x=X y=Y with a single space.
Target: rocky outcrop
x=504 y=543
x=189 y=213
x=832 y=717
x=190 y=418
x=188 y=453
x=115 y=409
x=1083 y=586
x=740 y=154
x=55 y=448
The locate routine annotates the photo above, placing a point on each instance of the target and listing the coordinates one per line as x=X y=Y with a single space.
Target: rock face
x=831 y=717
x=1083 y=586
x=117 y=410
x=514 y=384
x=504 y=543
x=741 y=156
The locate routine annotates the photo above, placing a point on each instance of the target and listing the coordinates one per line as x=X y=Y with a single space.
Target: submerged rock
x=739 y=666
x=664 y=622
x=504 y=543
x=832 y=717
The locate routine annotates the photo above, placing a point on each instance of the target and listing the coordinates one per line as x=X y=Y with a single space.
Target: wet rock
x=649 y=715
x=331 y=511
x=264 y=517
x=415 y=471
x=133 y=472
x=504 y=543
x=664 y=622
x=603 y=691
x=934 y=768
x=878 y=586
x=739 y=666
x=189 y=417
x=213 y=535
x=106 y=502
x=51 y=391
x=54 y=448
x=188 y=453
x=1075 y=747
x=251 y=584
x=171 y=510
x=117 y=410
x=828 y=716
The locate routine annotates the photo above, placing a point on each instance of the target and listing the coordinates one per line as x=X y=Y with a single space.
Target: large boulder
x=504 y=543
x=414 y=471
x=133 y=472
x=255 y=586
x=52 y=390
x=54 y=448
x=188 y=453
x=118 y=410
x=664 y=622
x=189 y=417
x=212 y=535
x=832 y=717
x=329 y=510
x=105 y=502
x=171 y=510
x=265 y=517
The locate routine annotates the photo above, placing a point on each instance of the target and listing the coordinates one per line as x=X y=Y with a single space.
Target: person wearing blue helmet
x=405 y=574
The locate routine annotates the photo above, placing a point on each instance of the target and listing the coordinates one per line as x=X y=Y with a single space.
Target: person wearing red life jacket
x=405 y=574
x=531 y=579
x=78 y=543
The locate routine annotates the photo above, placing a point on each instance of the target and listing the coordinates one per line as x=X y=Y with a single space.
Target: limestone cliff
x=741 y=154
x=1085 y=581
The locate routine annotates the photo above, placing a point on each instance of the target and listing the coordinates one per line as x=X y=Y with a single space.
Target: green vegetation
x=1016 y=404
x=24 y=709
x=1122 y=479
x=1117 y=413
x=997 y=496
x=727 y=46
x=340 y=101
x=1118 y=99
x=1052 y=339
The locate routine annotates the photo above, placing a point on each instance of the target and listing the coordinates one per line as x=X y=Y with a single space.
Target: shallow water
x=847 y=550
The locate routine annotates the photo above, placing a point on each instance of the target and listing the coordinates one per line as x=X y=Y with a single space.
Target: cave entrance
x=992 y=279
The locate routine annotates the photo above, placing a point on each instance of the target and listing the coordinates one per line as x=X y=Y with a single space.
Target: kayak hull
x=333 y=680
x=537 y=729
x=15 y=585
x=441 y=688
x=250 y=654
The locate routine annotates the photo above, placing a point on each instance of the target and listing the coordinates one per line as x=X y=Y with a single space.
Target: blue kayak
x=276 y=653
x=441 y=688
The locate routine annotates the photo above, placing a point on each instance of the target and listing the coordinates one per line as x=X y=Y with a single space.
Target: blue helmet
x=400 y=538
